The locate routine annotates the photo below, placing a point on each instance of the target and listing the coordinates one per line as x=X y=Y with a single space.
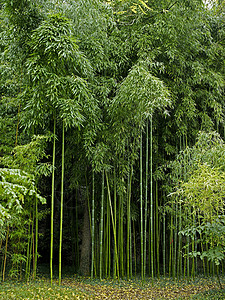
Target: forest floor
x=85 y=288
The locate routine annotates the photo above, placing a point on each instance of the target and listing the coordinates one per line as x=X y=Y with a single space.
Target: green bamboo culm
x=146 y=201
x=61 y=206
x=36 y=237
x=101 y=228
x=52 y=201
x=93 y=224
x=171 y=243
x=109 y=238
x=114 y=228
x=120 y=233
x=164 y=242
x=129 y=179
x=175 y=240
x=115 y=213
x=130 y=220
x=31 y=244
x=157 y=228
x=141 y=211
x=28 y=250
x=151 y=203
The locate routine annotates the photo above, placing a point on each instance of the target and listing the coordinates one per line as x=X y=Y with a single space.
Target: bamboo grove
x=112 y=138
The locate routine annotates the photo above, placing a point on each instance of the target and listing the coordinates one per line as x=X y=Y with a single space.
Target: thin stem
x=113 y=223
x=61 y=206
x=52 y=202
x=146 y=201
x=114 y=179
x=101 y=227
x=151 y=201
x=141 y=212
x=93 y=223
x=36 y=237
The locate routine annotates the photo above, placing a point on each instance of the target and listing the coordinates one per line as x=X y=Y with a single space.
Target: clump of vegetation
x=122 y=103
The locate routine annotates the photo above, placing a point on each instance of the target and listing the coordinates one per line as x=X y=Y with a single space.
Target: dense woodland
x=112 y=152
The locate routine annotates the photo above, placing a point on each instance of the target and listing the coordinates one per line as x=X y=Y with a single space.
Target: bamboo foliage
x=104 y=94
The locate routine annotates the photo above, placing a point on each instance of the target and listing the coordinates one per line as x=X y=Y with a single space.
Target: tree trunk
x=86 y=242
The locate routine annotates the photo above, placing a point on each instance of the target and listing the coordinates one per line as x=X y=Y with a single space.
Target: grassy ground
x=85 y=288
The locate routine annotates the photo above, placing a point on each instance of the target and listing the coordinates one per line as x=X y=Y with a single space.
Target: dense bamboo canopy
x=111 y=137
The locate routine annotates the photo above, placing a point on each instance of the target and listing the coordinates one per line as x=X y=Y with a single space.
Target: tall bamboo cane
x=93 y=224
x=113 y=223
x=61 y=207
x=128 y=226
x=52 y=201
x=151 y=201
x=146 y=201
x=114 y=262
x=101 y=228
x=36 y=237
x=141 y=211
x=164 y=242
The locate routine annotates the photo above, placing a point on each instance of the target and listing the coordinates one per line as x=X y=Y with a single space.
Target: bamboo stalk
x=157 y=228
x=130 y=244
x=179 y=254
x=115 y=211
x=36 y=237
x=141 y=212
x=164 y=242
x=151 y=204
x=52 y=202
x=108 y=240
x=93 y=224
x=113 y=224
x=171 y=243
x=61 y=206
x=28 y=251
x=135 y=259
x=175 y=242
x=101 y=228
x=129 y=240
x=31 y=246
x=146 y=201
x=121 y=240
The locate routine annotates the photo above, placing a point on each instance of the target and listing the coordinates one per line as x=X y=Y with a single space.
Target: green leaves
x=28 y=157
x=52 y=41
x=16 y=186
x=138 y=97
x=211 y=234
x=140 y=94
x=54 y=68
x=204 y=192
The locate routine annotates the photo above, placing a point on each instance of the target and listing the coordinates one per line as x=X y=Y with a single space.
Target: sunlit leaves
x=139 y=95
x=28 y=157
x=204 y=192
x=53 y=69
x=16 y=185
